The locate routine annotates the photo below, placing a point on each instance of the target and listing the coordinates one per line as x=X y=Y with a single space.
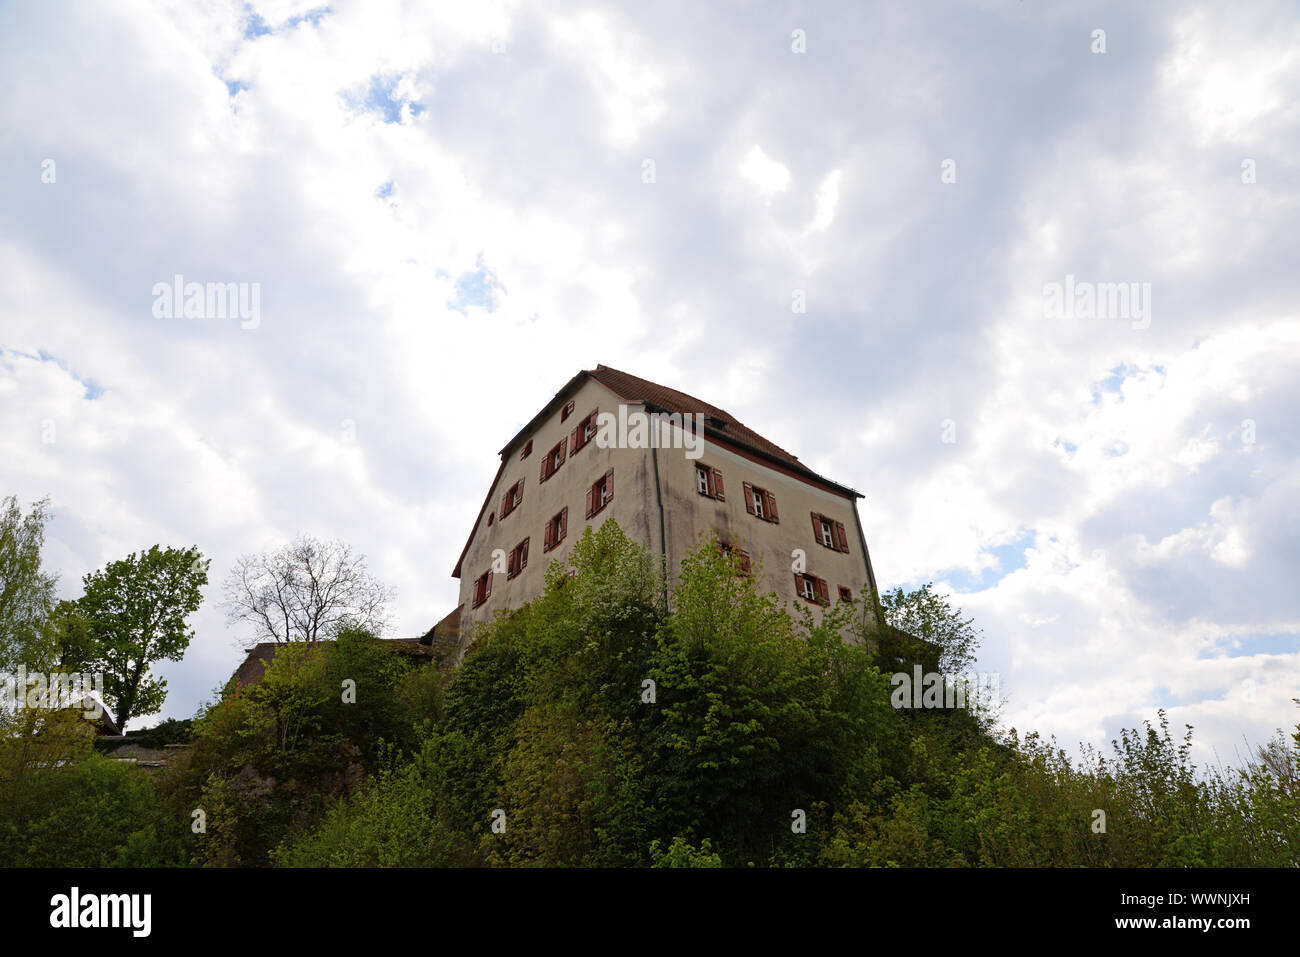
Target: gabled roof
x=672 y=400
x=719 y=425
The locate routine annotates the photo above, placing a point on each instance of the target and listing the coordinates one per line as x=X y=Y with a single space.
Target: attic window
x=568 y=410
x=528 y=450
x=714 y=421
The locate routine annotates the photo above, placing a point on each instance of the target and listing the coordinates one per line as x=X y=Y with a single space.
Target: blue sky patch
x=478 y=288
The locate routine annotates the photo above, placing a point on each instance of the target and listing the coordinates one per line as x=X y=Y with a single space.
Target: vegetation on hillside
x=593 y=727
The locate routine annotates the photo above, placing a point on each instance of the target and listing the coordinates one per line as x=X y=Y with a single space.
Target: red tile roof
x=672 y=400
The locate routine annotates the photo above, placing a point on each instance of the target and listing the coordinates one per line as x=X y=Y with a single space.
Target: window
x=528 y=450
x=601 y=493
x=584 y=433
x=518 y=559
x=846 y=594
x=708 y=481
x=483 y=588
x=556 y=529
x=729 y=550
x=554 y=459
x=514 y=495
x=829 y=532
x=761 y=503
x=568 y=410
x=813 y=589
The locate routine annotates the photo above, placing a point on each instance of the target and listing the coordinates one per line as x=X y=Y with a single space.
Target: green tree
x=70 y=638
x=26 y=592
x=137 y=608
x=928 y=616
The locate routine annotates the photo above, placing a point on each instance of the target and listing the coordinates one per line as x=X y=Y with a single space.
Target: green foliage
x=596 y=728
x=395 y=820
x=26 y=592
x=923 y=614
x=681 y=854
x=91 y=813
x=137 y=609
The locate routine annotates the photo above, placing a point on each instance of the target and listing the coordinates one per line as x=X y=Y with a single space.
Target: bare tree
x=306 y=591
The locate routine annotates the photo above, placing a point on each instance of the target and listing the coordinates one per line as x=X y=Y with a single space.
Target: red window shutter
x=744 y=561
x=548 y=536
x=573 y=441
x=749 y=498
x=609 y=485
x=591 y=498
x=564 y=522
x=717 y=486
x=841 y=537
x=798 y=584
x=546 y=464
x=817 y=529
x=505 y=502
x=823 y=592
x=487 y=589
x=559 y=458
x=523 y=555
x=771 y=508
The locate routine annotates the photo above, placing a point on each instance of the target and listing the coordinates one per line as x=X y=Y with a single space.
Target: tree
x=137 y=609
x=305 y=591
x=926 y=615
x=69 y=638
x=26 y=593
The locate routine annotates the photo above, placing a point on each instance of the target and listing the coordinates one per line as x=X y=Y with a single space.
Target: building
x=667 y=467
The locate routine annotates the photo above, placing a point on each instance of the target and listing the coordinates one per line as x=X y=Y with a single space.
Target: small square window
x=528 y=450
x=846 y=594
x=568 y=410
x=702 y=479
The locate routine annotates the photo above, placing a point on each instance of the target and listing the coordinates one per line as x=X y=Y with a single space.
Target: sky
x=854 y=226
